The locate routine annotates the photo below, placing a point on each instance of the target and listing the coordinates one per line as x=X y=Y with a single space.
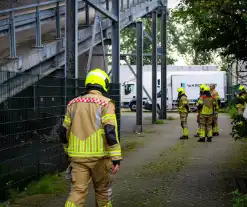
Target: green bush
x=239 y=200
x=232 y=111
x=239 y=127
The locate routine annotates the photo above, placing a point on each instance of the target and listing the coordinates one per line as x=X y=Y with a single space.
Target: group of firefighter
x=90 y=136
x=208 y=105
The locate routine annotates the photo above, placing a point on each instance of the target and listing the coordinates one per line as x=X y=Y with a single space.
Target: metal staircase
x=43 y=60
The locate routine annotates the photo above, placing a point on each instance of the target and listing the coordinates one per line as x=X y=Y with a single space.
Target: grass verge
x=48 y=186
x=159 y=121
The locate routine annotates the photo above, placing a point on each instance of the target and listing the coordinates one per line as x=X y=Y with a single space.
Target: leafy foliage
x=221 y=25
x=128 y=42
x=183 y=41
x=239 y=199
x=181 y=37
x=239 y=127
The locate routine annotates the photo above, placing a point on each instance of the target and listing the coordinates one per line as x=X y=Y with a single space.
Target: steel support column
x=71 y=67
x=38 y=28
x=58 y=25
x=139 y=76
x=115 y=39
x=163 y=114
x=12 y=37
x=87 y=14
x=154 y=67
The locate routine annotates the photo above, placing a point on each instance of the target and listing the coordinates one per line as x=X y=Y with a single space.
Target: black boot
x=196 y=135
x=184 y=137
x=201 y=140
x=209 y=139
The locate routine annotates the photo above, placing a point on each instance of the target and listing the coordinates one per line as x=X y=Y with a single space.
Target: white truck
x=190 y=80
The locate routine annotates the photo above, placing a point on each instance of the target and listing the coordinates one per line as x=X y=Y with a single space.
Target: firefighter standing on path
x=90 y=128
x=206 y=105
x=202 y=86
x=215 y=94
x=183 y=108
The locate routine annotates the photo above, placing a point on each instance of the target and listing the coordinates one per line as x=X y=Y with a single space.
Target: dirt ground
x=160 y=170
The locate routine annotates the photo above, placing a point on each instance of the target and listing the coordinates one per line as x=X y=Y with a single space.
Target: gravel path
x=161 y=170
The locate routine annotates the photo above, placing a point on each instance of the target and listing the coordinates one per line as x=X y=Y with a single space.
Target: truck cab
x=128 y=92
x=128 y=95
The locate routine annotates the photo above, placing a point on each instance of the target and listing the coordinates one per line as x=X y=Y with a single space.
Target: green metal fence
x=29 y=146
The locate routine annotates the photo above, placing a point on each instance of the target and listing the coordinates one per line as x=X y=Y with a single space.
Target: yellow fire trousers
x=215 y=123
x=83 y=171
x=184 y=125
x=206 y=122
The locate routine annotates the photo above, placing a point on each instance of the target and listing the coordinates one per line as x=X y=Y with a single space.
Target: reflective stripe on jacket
x=182 y=103
x=85 y=121
x=207 y=105
x=216 y=96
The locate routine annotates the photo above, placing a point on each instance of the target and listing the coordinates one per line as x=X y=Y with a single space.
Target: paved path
x=161 y=170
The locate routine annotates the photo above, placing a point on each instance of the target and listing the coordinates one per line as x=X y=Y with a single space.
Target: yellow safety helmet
x=242 y=88
x=181 y=91
x=206 y=88
x=202 y=86
x=98 y=78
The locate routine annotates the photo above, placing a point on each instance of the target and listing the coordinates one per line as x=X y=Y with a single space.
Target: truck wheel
x=133 y=107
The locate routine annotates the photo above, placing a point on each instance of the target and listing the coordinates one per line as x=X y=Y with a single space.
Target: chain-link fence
x=29 y=146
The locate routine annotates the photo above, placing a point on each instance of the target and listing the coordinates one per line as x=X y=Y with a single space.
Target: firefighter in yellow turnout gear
x=90 y=129
x=206 y=106
x=202 y=86
x=183 y=108
x=241 y=99
x=216 y=96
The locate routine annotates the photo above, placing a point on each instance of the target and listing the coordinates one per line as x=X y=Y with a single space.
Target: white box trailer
x=128 y=80
x=191 y=83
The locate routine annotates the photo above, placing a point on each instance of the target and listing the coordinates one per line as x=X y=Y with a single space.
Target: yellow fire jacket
x=91 y=126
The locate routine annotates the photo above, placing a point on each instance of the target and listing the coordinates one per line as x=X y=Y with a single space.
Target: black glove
x=187 y=108
x=62 y=131
x=116 y=162
x=199 y=107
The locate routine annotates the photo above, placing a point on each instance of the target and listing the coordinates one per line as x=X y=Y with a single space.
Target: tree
x=221 y=25
x=128 y=42
x=184 y=35
x=181 y=37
